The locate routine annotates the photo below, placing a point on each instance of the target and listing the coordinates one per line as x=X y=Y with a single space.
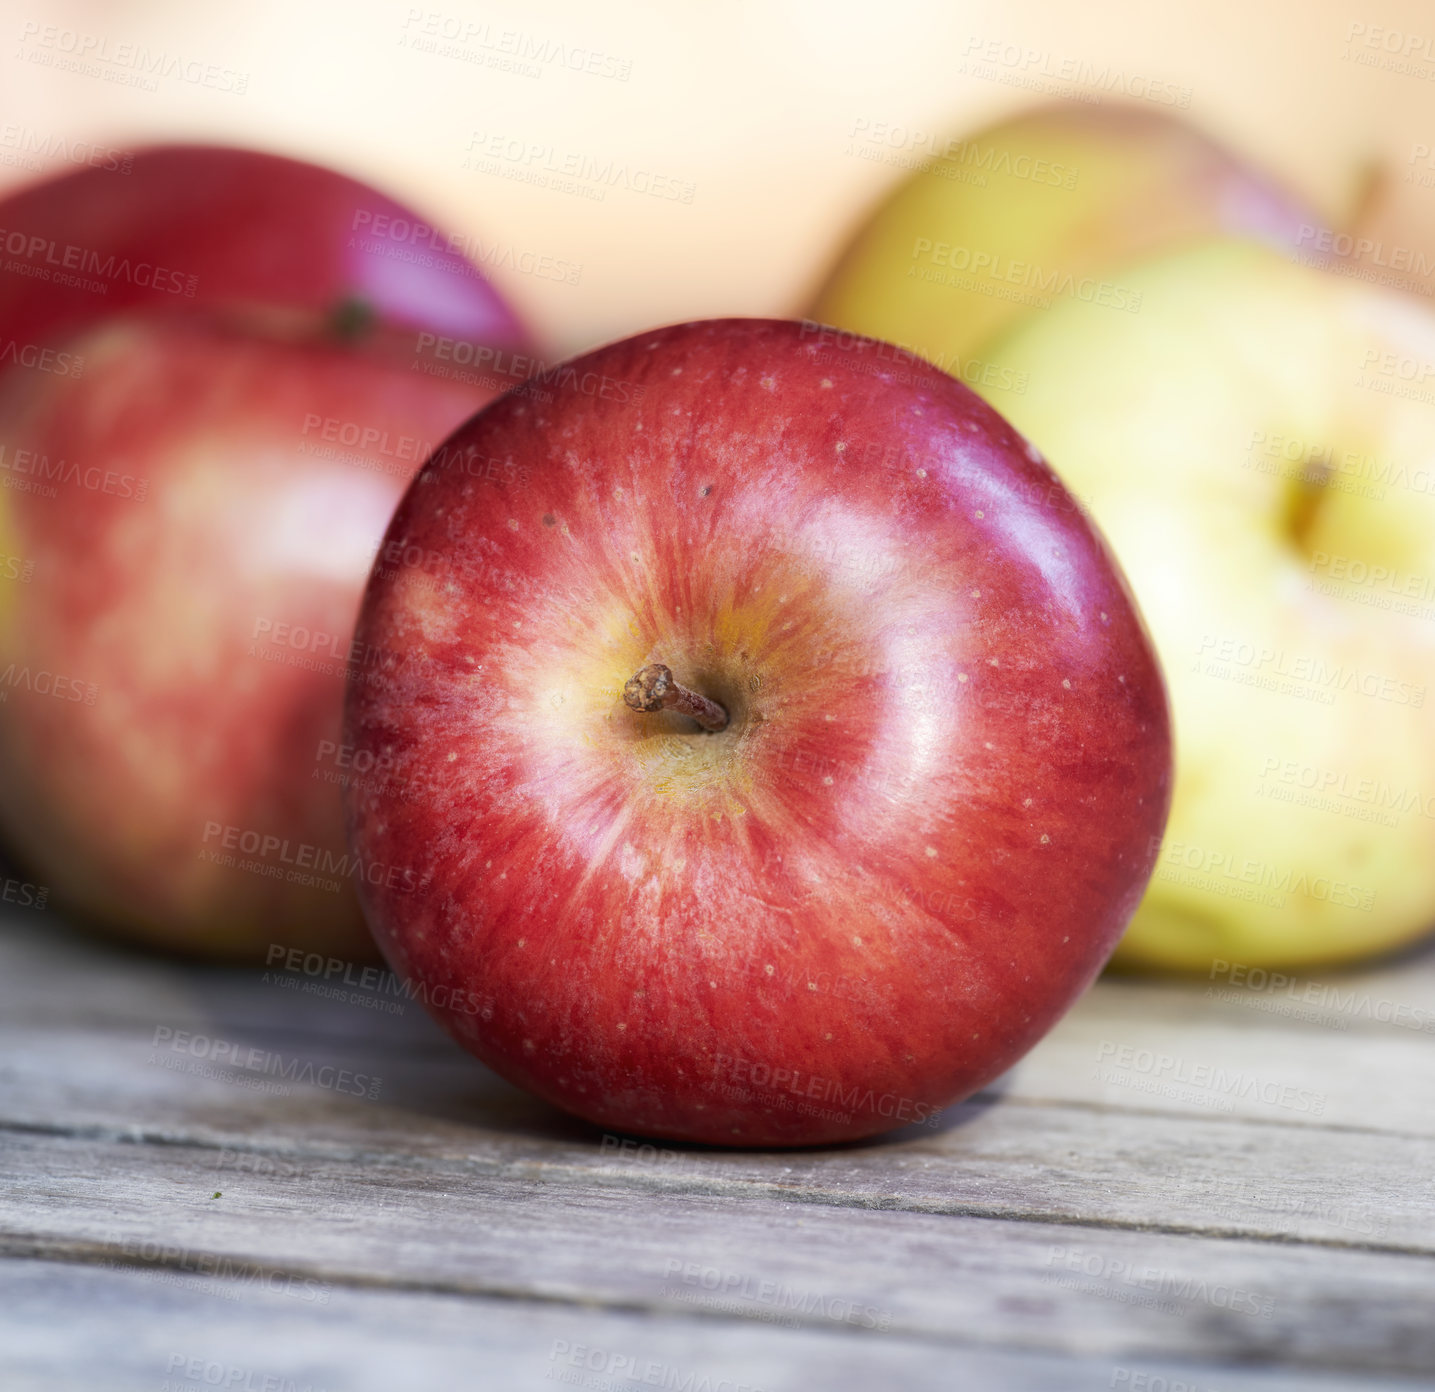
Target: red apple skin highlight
x=173 y=670
x=930 y=817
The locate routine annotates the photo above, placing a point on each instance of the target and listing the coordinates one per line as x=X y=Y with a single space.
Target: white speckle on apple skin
x=632 y=862
x=932 y=851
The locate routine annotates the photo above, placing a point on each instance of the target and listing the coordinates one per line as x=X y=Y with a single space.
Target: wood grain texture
x=1056 y=1162
x=523 y=1236
x=141 y=1335
x=1154 y=1192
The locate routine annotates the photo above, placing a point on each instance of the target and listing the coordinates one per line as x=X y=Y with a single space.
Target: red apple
x=196 y=226
x=930 y=813
x=195 y=524
x=208 y=410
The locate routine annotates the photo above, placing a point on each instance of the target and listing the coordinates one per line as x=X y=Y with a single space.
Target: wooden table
x=1211 y=1185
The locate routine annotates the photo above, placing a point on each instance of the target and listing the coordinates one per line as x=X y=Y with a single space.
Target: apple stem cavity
x=654 y=688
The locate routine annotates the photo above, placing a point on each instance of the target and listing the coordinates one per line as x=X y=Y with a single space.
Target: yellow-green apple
x=921 y=797
x=1258 y=444
x=193 y=494
x=1045 y=207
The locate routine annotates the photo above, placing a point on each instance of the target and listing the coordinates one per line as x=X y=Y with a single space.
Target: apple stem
x=654 y=688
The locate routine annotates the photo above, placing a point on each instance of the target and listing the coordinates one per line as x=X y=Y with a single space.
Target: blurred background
x=625 y=165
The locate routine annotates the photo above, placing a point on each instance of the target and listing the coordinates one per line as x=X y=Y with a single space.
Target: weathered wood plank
x=324 y=1185
x=1087 y=1162
x=1053 y=1162
x=142 y=1335
x=1116 y=1050
x=1096 y=1292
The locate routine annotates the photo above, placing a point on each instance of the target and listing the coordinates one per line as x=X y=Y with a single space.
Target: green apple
x=1258 y=445
x=1047 y=207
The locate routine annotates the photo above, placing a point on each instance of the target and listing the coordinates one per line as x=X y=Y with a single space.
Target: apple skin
x=216 y=228
x=1253 y=439
x=1071 y=191
x=162 y=509
x=925 y=826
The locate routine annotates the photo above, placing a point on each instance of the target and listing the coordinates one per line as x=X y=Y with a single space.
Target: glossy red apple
x=193 y=519
x=209 y=405
x=207 y=227
x=932 y=808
